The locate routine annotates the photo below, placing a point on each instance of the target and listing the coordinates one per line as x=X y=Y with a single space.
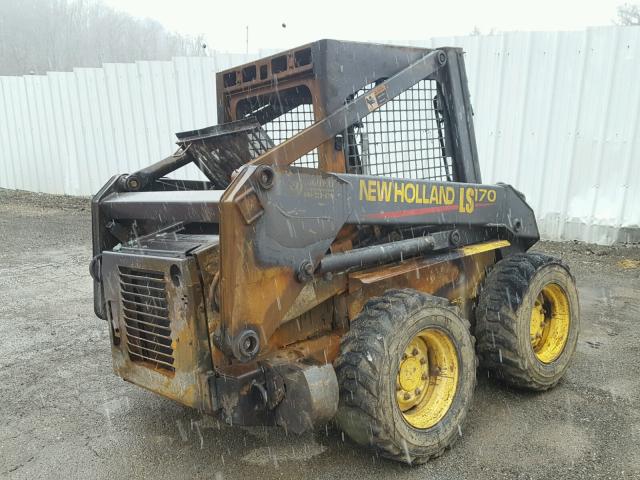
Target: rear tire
x=407 y=375
x=528 y=320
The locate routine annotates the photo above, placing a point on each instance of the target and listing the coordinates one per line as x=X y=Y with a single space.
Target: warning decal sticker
x=377 y=97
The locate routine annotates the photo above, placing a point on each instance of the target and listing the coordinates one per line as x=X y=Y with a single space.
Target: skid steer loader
x=342 y=260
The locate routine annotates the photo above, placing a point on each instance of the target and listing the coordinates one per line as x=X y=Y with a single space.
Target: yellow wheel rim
x=550 y=320
x=427 y=378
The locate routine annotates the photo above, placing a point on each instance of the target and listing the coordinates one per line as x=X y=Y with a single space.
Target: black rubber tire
x=367 y=367
x=503 y=320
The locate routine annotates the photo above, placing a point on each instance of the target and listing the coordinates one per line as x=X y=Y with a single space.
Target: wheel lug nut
x=407 y=396
x=418 y=391
x=414 y=352
x=423 y=361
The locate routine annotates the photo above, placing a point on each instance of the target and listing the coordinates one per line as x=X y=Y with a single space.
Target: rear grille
x=146 y=315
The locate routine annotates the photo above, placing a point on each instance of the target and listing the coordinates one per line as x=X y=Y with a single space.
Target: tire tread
x=504 y=291
x=363 y=347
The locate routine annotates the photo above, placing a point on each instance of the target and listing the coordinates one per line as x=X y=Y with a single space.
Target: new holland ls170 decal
x=437 y=197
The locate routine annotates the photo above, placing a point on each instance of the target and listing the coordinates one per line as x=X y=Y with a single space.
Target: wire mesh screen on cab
x=404 y=138
x=287 y=125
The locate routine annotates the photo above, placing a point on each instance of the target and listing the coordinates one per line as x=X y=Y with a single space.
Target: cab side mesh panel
x=286 y=126
x=404 y=138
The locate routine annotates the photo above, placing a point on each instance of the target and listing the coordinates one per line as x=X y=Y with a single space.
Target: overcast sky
x=224 y=23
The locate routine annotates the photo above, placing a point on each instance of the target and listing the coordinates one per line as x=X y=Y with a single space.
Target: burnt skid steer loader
x=342 y=260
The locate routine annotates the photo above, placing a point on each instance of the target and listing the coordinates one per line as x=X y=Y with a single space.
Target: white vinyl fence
x=556 y=115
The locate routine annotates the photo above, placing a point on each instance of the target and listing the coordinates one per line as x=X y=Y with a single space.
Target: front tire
x=407 y=373
x=528 y=320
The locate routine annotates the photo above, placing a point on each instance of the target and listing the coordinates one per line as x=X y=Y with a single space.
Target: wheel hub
x=538 y=323
x=411 y=372
x=427 y=378
x=549 y=323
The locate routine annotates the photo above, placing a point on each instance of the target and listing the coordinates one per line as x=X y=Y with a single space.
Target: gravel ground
x=64 y=414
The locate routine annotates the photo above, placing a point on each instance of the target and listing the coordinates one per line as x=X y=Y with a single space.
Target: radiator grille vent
x=146 y=316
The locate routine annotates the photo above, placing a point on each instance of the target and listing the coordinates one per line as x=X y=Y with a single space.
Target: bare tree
x=37 y=36
x=629 y=14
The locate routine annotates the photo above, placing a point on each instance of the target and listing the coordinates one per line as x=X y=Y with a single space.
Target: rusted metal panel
x=455 y=275
x=181 y=371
